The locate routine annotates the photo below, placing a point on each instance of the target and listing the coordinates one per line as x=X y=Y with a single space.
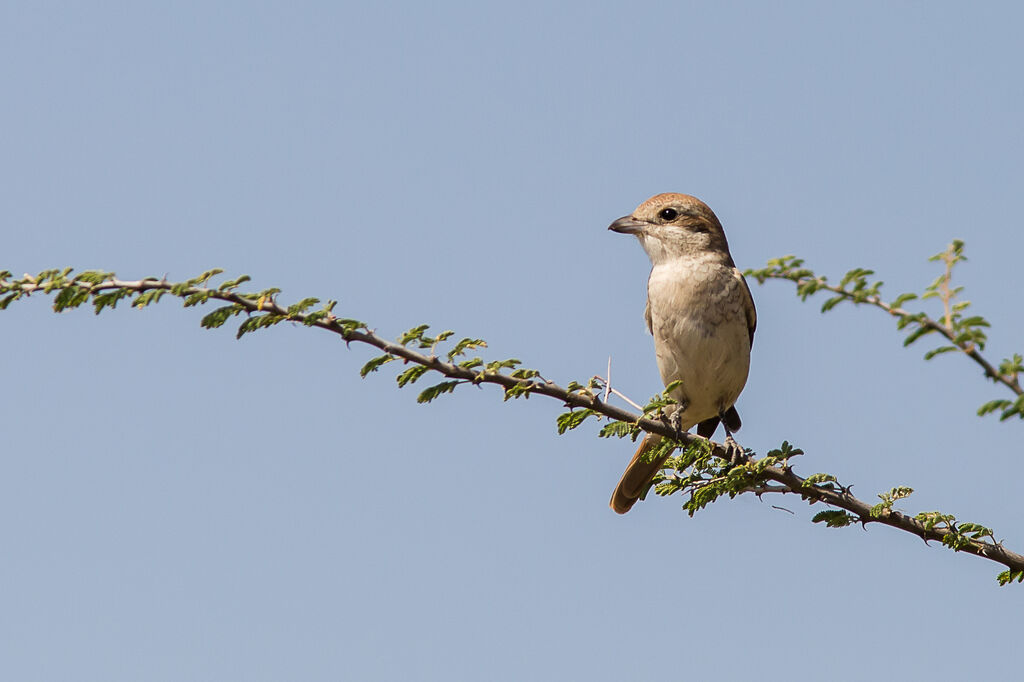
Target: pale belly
x=713 y=367
x=702 y=338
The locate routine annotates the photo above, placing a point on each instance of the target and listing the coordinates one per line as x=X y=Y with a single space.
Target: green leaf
x=197 y=298
x=434 y=391
x=374 y=364
x=932 y=519
x=568 y=421
x=975 y=530
x=520 y=390
x=94 y=276
x=302 y=306
x=218 y=317
x=264 y=297
x=939 y=351
x=411 y=375
x=147 y=297
x=805 y=288
x=955 y=540
x=57 y=280
x=832 y=303
x=784 y=452
x=10 y=298
x=672 y=386
x=916 y=334
x=901 y=299
x=834 y=518
x=1010 y=367
x=310 y=319
x=233 y=283
x=465 y=344
x=498 y=365
x=109 y=299
x=818 y=479
x=899 y=492
x=413 y=334
x=992 y=406
x=576 y=387
x=255 y=322
x=1009 y=576
x=348 y=325
x=69 y=297
x=619 y=430
x=855 y=274
x=202 y=279
x=1017 y=408
x=319 y=315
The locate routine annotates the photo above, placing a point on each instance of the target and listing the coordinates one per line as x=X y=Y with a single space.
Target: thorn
x=608 y=386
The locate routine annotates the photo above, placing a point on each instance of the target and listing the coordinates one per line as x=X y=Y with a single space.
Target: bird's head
x=675 y=225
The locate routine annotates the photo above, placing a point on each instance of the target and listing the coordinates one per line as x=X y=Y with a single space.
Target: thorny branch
x=265 y=305
x=808 y=282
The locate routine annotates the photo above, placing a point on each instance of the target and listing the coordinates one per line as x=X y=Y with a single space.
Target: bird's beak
x=626 y=225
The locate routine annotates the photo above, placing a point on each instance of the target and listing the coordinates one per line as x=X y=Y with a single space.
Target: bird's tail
x=638 y=475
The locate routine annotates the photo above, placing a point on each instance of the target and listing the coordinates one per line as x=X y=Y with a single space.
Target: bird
x=702 y=317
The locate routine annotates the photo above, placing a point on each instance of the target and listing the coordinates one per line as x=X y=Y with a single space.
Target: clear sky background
x=179 y=505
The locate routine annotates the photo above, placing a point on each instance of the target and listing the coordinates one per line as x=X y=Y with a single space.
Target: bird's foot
x=734 y=449
x=675 y=421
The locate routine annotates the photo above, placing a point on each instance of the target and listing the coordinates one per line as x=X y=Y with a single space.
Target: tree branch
x=736 y=474
x=964 y=334
x=969 y=349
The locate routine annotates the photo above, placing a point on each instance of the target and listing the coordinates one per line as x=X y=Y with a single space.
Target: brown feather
x=637 y=476
x=702 y=317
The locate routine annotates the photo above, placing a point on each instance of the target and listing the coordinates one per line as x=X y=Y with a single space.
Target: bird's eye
x=668 y=214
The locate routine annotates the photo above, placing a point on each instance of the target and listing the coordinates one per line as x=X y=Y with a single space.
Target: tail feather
x=730 y=417
x=641 y=469
x=637 y=476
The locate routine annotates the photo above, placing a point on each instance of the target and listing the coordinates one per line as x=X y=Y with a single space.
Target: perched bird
x=702 y=317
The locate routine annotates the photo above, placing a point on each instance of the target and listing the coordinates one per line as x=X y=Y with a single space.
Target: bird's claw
x=734 y=449
x=675 y=420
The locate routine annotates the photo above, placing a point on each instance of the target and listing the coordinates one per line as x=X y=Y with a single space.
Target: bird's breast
x=701 y=336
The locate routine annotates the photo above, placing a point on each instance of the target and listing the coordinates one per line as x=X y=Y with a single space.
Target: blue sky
x=176 y=504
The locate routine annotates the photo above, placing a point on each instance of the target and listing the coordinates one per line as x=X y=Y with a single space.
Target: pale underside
x=700 y=315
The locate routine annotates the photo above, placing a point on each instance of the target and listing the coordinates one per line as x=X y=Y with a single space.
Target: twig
x=791 y=483
x=969 y=349
x=608 y=380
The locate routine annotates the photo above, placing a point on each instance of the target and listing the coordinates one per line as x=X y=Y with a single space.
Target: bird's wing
x=751 y=311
